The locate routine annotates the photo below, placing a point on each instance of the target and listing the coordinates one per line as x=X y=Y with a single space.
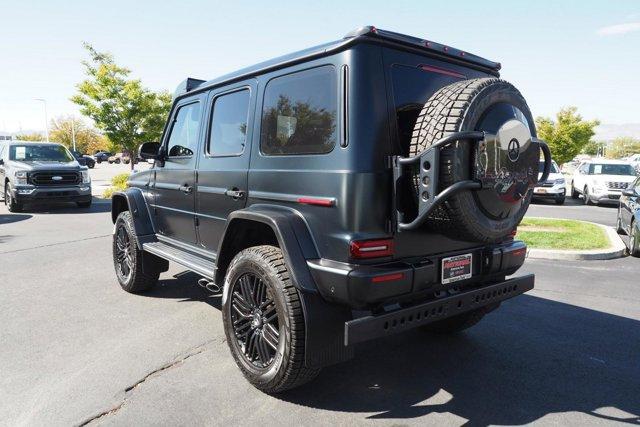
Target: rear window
x=412 y=87
x=299 y=113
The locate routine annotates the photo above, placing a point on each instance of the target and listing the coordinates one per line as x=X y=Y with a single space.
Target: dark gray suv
x=339 y=194
x=39 y=172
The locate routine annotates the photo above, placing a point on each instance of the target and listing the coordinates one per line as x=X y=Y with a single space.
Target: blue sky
x=583 y=53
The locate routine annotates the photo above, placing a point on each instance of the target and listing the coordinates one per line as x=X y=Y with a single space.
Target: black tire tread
x=295 y=373
x=443 y=114
x=140 y=280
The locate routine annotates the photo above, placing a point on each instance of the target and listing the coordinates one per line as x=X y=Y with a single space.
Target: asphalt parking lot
x=76 y=349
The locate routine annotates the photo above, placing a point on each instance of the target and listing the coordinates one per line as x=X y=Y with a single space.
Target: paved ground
x=576 y=209
x=75 y=348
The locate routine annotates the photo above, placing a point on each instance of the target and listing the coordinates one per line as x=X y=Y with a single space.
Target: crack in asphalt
x=55 y=244
x=158 y=371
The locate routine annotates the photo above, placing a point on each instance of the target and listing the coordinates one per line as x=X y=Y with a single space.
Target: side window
x=299 y=113
x=183 y=139
x=228 y=127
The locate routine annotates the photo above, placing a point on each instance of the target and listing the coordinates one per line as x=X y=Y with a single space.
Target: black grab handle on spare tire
x=546 y=153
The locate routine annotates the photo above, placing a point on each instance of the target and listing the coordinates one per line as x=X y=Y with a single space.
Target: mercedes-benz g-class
x=339 y=194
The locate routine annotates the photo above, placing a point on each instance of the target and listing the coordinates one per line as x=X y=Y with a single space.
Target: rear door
x=174 y=186
x=224 y=160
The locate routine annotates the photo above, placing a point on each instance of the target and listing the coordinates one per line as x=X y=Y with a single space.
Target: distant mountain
x=608 y=132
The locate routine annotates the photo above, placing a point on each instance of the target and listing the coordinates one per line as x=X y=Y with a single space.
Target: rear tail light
x=371 y=248
x=514 y=232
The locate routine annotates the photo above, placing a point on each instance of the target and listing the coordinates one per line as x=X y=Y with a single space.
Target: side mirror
x=629 y=192
x=150 y=151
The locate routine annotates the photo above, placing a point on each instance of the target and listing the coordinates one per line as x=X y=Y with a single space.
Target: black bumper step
x=371 y=327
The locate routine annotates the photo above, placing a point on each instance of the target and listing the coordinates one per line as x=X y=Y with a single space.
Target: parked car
x=120 y=158
x=601 y=180
x=629 y=216
x=553 y=188
x=319 y=192
x=84 y=160
x=102 y=156
x=38 y=172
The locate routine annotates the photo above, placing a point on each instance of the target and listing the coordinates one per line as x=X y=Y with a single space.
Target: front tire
x=128 y=259
x=634 y=243
x=12 y=204
x=574 y=193
x=264 y=322
x=619 y=228
x=586 y=196
x=560 y=200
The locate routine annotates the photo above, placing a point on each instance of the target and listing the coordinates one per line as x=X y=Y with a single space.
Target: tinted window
x=184 y=132
x=299 y=113
x=605 y=169
x=229 y=124
x=46 y=153
x=412 y=87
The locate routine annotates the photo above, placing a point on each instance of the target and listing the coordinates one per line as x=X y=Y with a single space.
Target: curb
x=616 y=250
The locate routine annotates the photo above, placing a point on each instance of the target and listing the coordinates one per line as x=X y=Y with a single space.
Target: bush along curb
x=617 y=249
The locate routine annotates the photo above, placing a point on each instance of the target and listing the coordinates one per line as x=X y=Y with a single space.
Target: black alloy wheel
x=255 y=320
x=123 y=255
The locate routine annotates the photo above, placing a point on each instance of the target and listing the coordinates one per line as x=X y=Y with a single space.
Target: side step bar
x=196 y=263
x=370 y=327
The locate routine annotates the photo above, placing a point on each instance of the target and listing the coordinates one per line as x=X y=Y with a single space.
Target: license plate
x=539 y=190
x=456 y=268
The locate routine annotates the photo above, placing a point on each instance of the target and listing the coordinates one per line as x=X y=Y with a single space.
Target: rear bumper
x=555 y=192
x=363 y=286
x=371 y=327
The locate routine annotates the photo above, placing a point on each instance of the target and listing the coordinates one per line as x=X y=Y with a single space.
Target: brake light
x=371 y=248
x=514 y=232
x=316 y=202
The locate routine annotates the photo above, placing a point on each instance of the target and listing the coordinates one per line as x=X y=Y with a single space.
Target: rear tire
x=128 y=259
x=264 y=322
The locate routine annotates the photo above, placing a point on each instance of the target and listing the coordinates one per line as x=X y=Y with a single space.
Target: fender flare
x=324 y=321
x=293 y=236
x=132 y=199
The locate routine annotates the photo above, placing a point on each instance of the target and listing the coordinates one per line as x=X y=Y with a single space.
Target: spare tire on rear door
x=509 y=163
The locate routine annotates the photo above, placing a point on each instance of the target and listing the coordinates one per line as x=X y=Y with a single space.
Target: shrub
x=118 y=183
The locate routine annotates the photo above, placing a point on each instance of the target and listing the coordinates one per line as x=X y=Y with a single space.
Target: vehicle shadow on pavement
x=530 y=358
x=184 y=287
x=11 y=218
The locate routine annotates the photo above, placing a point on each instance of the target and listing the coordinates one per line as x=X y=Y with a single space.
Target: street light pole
x=46 y=119
x=73 y=134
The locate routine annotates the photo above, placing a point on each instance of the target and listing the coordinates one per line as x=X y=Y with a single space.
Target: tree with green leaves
x=623 y=147
x=567 y=135
x=63 y=130
x=125 y=111
x=594 y=148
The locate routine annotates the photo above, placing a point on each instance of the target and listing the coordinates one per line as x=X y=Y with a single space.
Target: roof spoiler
x=187 y=85
x=440 y=49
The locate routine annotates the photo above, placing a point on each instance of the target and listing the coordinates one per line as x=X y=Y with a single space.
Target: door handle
x=186 y=189
x=234 y=193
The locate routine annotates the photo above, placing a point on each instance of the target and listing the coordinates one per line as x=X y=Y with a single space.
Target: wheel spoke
x=241 y=302
x=251 y=345
x=263 y=350
x=270 y=314
x=271 y=336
